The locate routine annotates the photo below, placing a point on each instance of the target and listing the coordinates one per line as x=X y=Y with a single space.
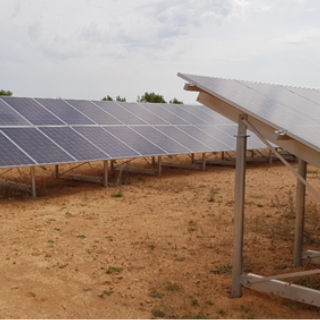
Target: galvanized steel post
x=33 y=182
x=56 y=171
x=203 y=162
x=300 y=209
x=239 y=207
x=159 y=166
x=105 y=173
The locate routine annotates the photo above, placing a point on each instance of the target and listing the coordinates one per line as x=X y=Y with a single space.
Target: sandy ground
x=161 y=250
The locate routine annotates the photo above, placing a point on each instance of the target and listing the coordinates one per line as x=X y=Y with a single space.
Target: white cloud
x=82 y=47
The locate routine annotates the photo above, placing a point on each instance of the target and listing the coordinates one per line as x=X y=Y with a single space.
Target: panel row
x=16 y=111
x=50 y=145
x=293 y=109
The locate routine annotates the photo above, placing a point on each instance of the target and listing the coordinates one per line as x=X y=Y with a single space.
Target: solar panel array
x=297 y=110
x=51 y=131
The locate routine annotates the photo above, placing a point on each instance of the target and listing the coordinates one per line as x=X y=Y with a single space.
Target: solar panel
x=49 y=131
x=275 y=111
x=309 y=94
x=32 y=111
x=11 y=155
x=185 y=115
x=208 y=115
x=165 y=114
x=279 y=111
x=291 y=101
x=119 y=113
x=37 y=146
x=220 y=135
x=165 y=142
x=9 y=117
x=205 y=138
x=64 y=111
x=93 y=112
x=80 y=148
x=136 y=141
x=184 y=139
x=107 y=142
x=143 y=113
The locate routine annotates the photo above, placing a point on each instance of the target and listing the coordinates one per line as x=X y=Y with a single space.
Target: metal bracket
x=311 y=256
x=282 y=289
x=281 y=134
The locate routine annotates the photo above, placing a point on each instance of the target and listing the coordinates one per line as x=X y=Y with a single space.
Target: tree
x=108 y=98
x=175 y=101
x=119 y=99
x=5 y=93
x=151 y=97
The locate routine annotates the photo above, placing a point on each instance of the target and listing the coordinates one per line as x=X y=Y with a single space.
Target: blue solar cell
x=185 y=115
x=220 y=135
x=195 y=139
x=9 y=117
x=64 y=111
x=136 y=141
x=163 y=141
x=143 y=113
x=12 y=155
x=210 y=117
x=93 y=112
x=107 y=142
x=119 y=113
x=32 y=111
x=253 y=142
x=74 y=144
x=35 y=144
x=206 y=114
x=164 y=113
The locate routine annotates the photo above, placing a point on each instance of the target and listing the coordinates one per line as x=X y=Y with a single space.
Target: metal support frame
x=56 y=171
x=15 y=185
x=203 y=162
x=300 y=210
x=270 y=156
x=159 y=166
x=239 y=207
x=304 y=181
x=95 y=179
x=283 y=289
x=122 y=167
x=267 y=133
x=105 y=173
x=21 y=186
x=271 y=284
x=33 y=182
x=311 y=256
x=194 y=165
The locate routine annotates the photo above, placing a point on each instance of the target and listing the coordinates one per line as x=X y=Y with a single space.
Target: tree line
x=5 y=93
x=149 y=97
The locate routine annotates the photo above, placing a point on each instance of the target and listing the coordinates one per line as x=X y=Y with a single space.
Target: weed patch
x=173 y=286
x=222 y=270
x=156 y=294
x=114 y=270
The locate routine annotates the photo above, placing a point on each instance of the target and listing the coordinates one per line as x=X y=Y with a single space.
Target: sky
x=88 y=49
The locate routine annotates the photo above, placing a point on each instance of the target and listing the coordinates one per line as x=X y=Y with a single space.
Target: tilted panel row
x=51 y=131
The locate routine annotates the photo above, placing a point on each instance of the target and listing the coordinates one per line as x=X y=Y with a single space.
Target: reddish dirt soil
x=162 y=249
